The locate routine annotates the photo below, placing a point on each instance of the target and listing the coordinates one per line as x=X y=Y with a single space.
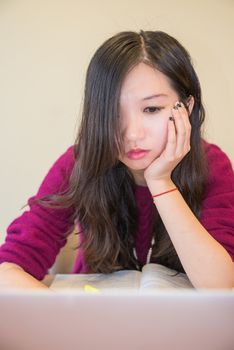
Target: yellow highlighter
x=90 y=289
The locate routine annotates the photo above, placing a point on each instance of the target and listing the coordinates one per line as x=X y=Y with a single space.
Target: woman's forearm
x=206 y=262
x=13 y=276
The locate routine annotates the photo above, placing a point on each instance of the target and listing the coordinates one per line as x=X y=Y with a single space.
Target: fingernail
x=177 y=105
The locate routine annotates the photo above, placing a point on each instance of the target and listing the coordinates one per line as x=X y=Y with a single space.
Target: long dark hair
x=101 y=188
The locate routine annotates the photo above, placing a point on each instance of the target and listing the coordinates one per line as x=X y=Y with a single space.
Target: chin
x=140 y=166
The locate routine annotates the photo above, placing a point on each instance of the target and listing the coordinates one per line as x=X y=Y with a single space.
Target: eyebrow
x=153 y=96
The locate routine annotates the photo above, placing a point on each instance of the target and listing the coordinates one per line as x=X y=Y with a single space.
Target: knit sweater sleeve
x=34 y=239
x=217 y=214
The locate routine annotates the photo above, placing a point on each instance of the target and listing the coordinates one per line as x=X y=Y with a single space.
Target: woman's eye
x=152 y=109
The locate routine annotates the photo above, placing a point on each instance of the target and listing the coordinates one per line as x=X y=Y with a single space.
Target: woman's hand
x=177 y=146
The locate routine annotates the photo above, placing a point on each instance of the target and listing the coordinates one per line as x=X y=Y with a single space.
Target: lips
x=137 y=153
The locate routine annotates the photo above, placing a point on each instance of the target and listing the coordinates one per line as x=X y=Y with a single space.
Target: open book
x=152 y=277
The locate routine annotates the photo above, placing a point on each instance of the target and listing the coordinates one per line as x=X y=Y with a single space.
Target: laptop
x=163 y=320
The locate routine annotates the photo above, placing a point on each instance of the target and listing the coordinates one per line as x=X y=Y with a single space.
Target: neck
x=139 y=178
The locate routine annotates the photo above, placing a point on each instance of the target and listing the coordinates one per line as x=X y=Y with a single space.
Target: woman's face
x=146 y=101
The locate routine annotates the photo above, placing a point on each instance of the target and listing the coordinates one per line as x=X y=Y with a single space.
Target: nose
x=134 y=130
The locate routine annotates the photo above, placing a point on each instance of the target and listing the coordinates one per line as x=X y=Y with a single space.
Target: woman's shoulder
x=67 y=158
x=213 y=151
x=65 y=162
x=220 y=170
x=216 y=157
x=58 y=175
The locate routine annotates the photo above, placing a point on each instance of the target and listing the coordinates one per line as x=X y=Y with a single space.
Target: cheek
x=158 y=133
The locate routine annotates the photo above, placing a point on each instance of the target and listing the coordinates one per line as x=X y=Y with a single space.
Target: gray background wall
x=45 y=47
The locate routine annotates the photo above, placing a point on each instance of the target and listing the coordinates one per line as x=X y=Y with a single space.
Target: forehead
x=144 y=80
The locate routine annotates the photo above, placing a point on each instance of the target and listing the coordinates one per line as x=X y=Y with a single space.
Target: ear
x=190 y=103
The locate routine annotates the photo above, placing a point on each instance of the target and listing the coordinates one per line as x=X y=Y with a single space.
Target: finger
x=185 y=116
x=171 y=140
x=180 y=132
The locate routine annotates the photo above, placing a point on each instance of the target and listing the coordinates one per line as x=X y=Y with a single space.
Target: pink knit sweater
x=34 y=239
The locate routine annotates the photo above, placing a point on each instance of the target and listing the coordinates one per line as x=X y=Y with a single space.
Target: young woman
x=140 y=183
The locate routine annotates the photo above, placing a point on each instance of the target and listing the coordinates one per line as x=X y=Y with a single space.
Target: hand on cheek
x=177 y=146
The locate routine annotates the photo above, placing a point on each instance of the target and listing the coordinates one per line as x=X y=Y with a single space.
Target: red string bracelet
x=160 y=194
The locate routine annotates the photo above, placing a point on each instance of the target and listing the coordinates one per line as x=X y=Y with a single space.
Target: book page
x=155 y=276
x=126 y=280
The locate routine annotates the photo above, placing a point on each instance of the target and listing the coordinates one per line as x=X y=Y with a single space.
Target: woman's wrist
x=160 y=186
